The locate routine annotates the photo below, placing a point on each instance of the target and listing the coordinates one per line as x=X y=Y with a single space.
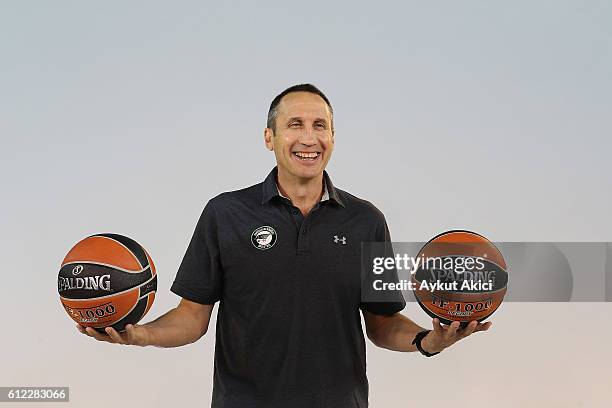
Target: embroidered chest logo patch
x=263 y=237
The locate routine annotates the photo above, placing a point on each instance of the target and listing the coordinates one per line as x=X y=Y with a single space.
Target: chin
x=308 y=173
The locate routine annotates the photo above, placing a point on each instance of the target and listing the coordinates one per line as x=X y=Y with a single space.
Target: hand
x=444 y=336
x=134 y=335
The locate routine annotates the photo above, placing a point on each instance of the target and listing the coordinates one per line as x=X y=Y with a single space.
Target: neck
x=304 y=193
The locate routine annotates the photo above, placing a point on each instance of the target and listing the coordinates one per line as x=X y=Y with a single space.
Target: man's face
x=303 y=140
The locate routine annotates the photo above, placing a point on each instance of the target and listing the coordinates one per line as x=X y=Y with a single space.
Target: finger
x=452 y=329
x=483 y=326
x=117 y=338
x=131 y=334
x=469 y=329
x=81 y=329
x=96 y=335
x=437 y=326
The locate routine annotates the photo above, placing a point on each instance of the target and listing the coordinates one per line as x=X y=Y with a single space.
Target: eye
x=320 y=125
x=295 y=124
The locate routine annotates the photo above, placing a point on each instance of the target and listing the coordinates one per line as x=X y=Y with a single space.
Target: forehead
x=303 y=104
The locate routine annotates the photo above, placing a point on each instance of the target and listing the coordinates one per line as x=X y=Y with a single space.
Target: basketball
x=462 y=277
x=107 y=280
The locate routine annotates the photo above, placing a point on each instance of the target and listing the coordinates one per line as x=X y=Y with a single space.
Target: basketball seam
x=126 y=248
x=107 y=265
x=150 y=261
x=147 y=294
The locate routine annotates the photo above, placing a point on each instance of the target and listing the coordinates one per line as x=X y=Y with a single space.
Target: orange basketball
x=462 y=277
x=107 y=280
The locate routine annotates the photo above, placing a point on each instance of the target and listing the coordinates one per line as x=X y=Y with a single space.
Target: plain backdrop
x=127 y=117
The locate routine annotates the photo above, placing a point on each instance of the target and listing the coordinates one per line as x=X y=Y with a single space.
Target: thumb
x=134 y=335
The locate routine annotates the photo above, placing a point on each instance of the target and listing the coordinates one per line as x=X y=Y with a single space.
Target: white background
x=127 y=117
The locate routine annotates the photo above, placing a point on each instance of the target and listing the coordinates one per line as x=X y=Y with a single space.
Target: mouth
x=306 y=156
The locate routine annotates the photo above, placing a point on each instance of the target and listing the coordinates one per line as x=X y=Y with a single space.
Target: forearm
x=175 y=328
x=395 y=333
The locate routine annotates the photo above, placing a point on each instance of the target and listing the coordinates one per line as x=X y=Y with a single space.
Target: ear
x=268 y=135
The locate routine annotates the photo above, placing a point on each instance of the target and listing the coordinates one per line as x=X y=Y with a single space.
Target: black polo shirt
x=288 y=327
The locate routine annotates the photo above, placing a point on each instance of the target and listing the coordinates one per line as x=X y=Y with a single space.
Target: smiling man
x=300 y=132
x=282 y=258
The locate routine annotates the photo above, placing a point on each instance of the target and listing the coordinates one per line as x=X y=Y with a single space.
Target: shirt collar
x=324 y=197
x=270 y=189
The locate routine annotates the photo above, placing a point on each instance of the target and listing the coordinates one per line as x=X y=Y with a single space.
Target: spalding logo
x=77 y=270
x=88 y=283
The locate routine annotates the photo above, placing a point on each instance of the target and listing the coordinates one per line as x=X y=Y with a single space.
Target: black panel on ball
x=132 y=318
x=130 y=244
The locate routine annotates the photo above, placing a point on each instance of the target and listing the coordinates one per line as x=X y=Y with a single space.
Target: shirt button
x=303 y=232
x=294 y=212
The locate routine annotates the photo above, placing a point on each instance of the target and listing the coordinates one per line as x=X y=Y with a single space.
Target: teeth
x=304 y=155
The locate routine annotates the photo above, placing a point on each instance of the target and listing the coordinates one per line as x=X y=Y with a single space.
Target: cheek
x=328 y=142
x=286 y=140
x=278 y=142
x=283 y=149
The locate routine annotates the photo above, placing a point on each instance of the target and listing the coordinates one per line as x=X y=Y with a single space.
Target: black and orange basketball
x=462 y=277
x=107 y=280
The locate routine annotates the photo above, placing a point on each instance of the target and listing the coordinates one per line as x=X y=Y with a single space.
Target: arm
x=396 y=332
x=393 y=332
x=182 y=325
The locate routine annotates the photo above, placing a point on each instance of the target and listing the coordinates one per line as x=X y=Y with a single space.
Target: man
x=282 y=258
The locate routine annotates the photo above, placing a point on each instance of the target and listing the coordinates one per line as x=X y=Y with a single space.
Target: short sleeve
x=199 y=277
x=389 y=302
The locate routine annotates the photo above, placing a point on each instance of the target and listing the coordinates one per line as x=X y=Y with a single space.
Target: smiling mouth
x=310 y=156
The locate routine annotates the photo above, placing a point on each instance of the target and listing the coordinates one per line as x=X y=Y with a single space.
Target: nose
x=307 y=138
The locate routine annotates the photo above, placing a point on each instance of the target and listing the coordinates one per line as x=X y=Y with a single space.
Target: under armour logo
x=337 y=239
